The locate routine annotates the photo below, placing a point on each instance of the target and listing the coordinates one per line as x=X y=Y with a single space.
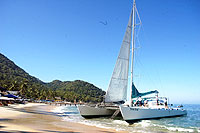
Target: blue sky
x=67 y=40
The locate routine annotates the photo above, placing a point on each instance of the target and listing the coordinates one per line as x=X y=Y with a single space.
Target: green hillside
x=79 y=90
x=13 y=77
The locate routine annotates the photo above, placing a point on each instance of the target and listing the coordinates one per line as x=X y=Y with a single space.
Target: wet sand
x=32 y=117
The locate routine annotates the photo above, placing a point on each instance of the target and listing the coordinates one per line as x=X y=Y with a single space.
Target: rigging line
x=138 y=61
x=136 y=64
x=147 y=74
x=157 y=73
x=159 y=80
x=145 y=36
x=140 y=22
x=138 y=15
x=141 y=27
x=136 y=67
x=137 y=37
x=137 y=34
x=138 y=29
x=139 y=44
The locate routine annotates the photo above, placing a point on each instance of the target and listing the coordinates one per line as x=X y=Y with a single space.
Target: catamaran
x=140 y=106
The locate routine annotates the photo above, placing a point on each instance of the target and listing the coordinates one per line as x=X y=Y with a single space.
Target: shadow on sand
x=5 y=120
x=50 y=131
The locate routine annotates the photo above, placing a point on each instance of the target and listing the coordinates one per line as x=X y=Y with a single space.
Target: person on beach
x=165 y=102
x=146 y=103
x=140 y=101
x=157 y=101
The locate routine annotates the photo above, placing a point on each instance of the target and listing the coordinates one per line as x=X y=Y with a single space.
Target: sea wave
x=57 y=109
x=179 y=129
x=172 y=128
x=96 y=124
x=144 y=123
x=148 y=124
x=120 y=122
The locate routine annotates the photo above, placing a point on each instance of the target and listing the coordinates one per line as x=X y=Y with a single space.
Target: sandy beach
x=34 y=117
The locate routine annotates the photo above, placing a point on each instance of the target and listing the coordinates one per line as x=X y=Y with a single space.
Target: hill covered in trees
x=14 y=78
x=79 y=90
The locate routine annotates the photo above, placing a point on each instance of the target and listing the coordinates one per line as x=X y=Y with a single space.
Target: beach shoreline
x=36 y=117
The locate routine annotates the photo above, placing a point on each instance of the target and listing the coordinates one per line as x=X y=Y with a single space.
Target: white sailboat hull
x=92 y=112
x=132 y=114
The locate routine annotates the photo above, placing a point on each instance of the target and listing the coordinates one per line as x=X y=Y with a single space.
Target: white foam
x=175 y=129
x=120 y=122
x=57 y=109
x=92 y=123
x=179 y=129
x=144 y=123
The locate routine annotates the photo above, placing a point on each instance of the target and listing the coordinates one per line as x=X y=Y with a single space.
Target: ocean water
x=189 y=123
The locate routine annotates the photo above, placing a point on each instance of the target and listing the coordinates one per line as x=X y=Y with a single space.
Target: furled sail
x=117 y=89
x=136 y=93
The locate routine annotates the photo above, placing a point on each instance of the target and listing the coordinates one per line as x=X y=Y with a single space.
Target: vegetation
x=14 y=78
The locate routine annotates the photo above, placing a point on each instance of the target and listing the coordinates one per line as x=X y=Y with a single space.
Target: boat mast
x=132 y=51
